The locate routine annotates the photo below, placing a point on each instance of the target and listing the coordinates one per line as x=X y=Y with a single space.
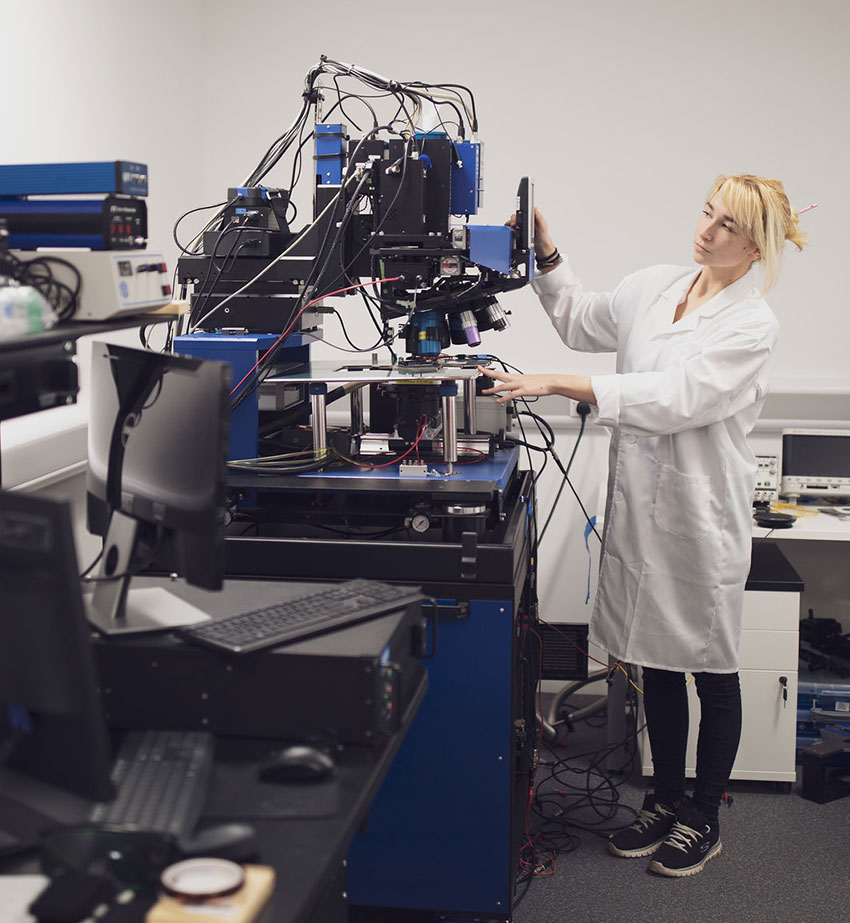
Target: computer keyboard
x=161 y=779
x=311 y=613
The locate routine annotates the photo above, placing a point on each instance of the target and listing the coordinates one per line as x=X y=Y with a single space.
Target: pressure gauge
x=420 y=523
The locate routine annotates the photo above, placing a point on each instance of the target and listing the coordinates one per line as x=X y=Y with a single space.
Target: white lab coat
x=678 y=521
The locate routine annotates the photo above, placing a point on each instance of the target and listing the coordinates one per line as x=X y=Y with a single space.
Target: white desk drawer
x=771 y=611
x=769 y=650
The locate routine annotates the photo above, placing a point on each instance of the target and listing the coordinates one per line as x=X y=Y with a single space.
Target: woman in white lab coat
x=694 y=350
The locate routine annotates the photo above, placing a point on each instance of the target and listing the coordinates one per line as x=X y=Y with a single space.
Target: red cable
x=419 y=436
x=532 y=836
x=578 y=647
x=339 y=291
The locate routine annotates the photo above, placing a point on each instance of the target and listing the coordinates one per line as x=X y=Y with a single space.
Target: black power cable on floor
x=576 y=784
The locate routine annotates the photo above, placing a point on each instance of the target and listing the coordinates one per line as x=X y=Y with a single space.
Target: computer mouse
x=297 y=763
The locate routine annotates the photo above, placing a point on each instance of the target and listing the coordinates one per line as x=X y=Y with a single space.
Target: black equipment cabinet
x=444 y=832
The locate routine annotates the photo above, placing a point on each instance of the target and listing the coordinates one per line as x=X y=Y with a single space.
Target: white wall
x=621 y=112
x=99 y=80
x=108 y=80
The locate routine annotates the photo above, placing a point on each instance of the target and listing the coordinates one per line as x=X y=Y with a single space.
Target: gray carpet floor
x=785 y=859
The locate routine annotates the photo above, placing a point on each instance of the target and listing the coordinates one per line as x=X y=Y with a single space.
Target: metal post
x=469 y=406
x=318 y=403
x=356 y=398
x=448 y=393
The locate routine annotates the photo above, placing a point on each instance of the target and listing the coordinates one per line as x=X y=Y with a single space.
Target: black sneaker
x=646 y=834
x=692 y=841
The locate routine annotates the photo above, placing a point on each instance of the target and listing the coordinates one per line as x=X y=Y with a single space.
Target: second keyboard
x=319 y=610
x=161 y=780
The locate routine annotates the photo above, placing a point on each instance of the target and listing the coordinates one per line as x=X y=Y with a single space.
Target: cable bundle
x=410 y=100
x=39 y=274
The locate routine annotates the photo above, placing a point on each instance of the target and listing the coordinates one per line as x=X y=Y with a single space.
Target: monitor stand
x=114 y=608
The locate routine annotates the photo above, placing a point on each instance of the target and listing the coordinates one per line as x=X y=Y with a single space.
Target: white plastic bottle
x=23 y=310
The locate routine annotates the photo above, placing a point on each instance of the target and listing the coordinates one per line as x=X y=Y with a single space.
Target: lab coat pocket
x=682 y=503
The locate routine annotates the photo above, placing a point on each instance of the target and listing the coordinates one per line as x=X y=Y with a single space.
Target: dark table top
x=68 y=331
x=314 y=823
x=771 y=570
x=307 y=851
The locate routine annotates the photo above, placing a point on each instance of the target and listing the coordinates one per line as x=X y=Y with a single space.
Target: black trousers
x=665 y=700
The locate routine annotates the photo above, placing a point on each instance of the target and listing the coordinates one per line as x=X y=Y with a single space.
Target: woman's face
x=719 y=242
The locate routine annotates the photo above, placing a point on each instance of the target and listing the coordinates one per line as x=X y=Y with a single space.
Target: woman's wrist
x=547 y=256
x=576 y=387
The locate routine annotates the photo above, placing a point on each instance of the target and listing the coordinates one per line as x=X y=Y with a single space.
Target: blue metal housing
x=72 y=208
x=490 y=245
x=496 y=471
x=439 y=834
x=121 y=176
x=466 y=179
x=444 y=831
x=241 y=351
x=330 y=150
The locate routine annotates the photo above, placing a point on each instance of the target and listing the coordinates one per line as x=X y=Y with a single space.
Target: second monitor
x=156 y=485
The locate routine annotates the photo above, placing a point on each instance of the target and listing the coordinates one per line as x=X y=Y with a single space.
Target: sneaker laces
x=682 y=836
x=647 y=817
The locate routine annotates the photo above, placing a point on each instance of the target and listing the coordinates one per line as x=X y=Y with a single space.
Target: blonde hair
x=762 y=211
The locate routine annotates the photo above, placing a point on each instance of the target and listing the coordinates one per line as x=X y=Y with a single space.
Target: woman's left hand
x=512 y=386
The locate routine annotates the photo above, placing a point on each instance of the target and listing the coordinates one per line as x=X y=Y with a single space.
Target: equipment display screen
x=816 y=455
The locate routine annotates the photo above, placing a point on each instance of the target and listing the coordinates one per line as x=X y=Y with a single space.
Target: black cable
x=569 y=465
x=764 y=537
x=348 y=340
x=317 y=271
x=339 y=103
x=565 y=472
x=553 y=823
x=261 y=372
x=550 y=449
x=136 y=566
x=37 y=274
x=91 y=566
x=295 y=175
x=452 y=86
x=192 y=211
x=353 y=533
x=279 y=147
x=214 y=272
x=387 y=212
x=544 y=423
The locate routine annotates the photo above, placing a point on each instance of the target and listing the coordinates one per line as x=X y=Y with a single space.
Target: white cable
x=455 y=98
x=340 y=69
x=343 y=70
x=285 y=135
x=286 y=252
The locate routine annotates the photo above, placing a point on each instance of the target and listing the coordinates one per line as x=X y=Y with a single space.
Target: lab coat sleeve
x=724 y=378
x=585 y=321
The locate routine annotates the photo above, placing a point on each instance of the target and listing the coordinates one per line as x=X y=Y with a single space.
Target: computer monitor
x=52 y=727
x=156 y=485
